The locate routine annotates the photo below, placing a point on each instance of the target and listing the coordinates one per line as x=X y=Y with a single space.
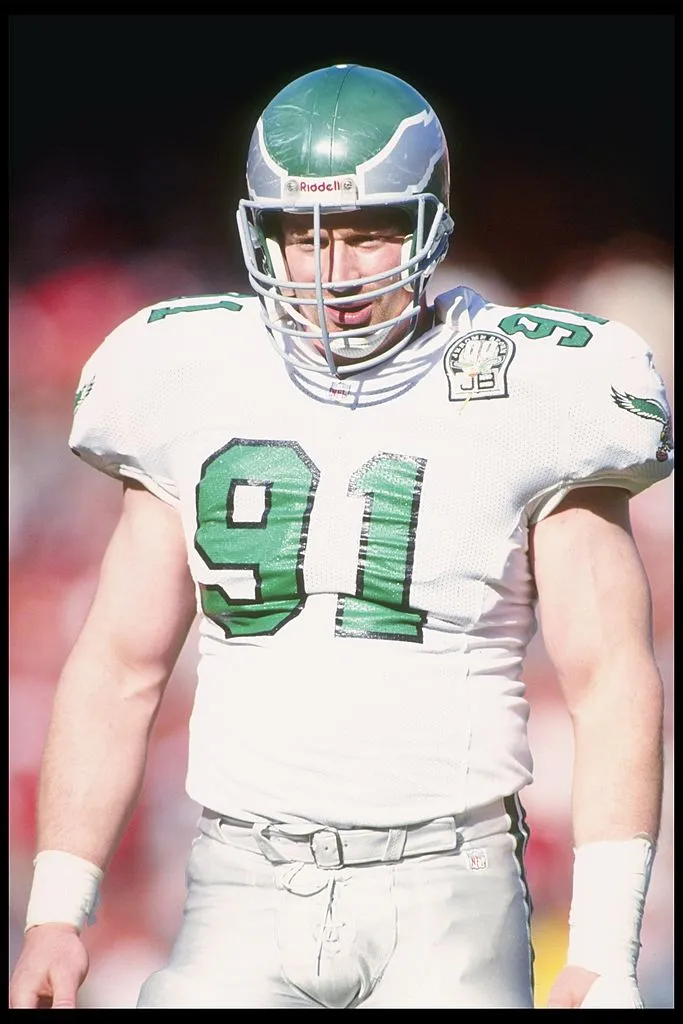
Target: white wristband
x=65 y=889
x=609 y=889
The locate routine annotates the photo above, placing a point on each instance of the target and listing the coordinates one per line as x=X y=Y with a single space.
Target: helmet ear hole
x=407 y=252
x=277 y=263
x=259 y=245
x=264 y=234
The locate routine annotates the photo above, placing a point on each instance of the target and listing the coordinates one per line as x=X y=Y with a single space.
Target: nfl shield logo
x=476 y=860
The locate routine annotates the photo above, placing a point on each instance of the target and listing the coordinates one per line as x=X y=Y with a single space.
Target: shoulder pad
x=451 y=305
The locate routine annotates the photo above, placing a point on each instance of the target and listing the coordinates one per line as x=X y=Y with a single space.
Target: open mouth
x=357 y=315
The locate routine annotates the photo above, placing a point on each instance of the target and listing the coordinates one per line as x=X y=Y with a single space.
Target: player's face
x=353 y=245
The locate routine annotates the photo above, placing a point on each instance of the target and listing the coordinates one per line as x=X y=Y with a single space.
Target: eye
x=375 y=241
x=306 y=243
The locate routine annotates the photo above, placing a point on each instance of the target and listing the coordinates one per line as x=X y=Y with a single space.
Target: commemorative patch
x=476 y=366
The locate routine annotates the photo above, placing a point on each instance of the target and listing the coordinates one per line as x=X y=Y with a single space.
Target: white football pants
x=436 y=931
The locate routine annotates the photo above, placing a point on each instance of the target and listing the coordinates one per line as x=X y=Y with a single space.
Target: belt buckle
x=327 y=849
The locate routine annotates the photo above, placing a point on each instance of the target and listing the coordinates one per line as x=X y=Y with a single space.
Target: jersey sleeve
x=117 y=420
x=616 y=419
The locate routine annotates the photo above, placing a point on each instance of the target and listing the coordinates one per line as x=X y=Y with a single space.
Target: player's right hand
x=51 y=968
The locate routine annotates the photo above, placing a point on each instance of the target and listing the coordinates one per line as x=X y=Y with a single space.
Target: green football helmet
x=339 y=139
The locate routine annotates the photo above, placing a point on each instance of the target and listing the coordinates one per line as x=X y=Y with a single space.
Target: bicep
x=144 y=602
x=593 y=593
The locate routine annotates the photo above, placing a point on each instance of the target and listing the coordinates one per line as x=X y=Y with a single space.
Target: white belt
x=336 y=847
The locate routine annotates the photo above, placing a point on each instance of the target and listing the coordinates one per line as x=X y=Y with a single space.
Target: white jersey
x=360 y=546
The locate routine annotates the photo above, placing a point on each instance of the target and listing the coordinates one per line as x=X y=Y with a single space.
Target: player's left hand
x=579 y=989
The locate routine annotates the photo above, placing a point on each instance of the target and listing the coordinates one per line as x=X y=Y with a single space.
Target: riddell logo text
x=336 y=185
x=320 y=186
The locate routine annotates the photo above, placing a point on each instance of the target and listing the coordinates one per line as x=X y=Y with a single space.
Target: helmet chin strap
x=367 y=361
x=358 y=347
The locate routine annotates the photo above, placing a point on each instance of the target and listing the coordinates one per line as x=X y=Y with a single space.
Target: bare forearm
x=94 y=762
x=617 y=783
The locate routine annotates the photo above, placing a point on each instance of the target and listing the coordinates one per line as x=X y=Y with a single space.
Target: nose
x=342 y=267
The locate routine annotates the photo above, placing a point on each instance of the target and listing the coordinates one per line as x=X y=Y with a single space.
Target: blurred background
x=127 y=141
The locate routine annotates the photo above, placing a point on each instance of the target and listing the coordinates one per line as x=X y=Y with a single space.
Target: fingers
x=23 y=997
x=50 y=970
x=58 y=992
x=33 y=1001
x=64 y=997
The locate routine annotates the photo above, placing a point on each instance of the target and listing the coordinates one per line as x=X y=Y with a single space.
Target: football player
x=366 y=497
